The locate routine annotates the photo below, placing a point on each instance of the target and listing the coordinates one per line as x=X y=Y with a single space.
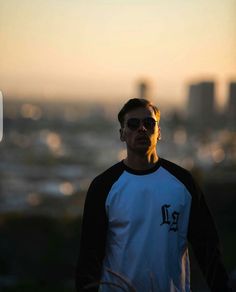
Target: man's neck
x=141 y=162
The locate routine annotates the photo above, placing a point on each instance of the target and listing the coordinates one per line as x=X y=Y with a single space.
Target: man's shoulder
x=173 y=166
x=101 y=184
x=178 y=171
x=110 y=175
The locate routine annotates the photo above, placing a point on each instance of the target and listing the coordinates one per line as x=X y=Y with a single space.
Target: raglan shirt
x=136 y=228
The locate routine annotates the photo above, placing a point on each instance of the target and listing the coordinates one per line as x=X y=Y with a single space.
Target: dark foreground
x=39 y=253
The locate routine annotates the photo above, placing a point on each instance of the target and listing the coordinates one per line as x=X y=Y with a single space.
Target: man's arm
x=93 y=239
x=203 y=236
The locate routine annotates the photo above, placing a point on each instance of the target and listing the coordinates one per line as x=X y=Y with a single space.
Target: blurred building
x=201 y=102
x=231 y=107
x=144 y=89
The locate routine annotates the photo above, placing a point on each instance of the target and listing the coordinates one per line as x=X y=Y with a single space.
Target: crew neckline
x=143 y=171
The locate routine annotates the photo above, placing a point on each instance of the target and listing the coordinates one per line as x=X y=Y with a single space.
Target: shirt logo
x=169 y=219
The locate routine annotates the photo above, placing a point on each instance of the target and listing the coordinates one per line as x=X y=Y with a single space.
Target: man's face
x=141 y=139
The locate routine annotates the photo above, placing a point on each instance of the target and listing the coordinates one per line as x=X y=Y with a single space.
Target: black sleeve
x=203 y=237
x=93 y=238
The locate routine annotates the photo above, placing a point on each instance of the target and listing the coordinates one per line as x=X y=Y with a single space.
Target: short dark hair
x=135 y=103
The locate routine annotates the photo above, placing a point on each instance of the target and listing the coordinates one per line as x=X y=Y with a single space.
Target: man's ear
x=122 y=135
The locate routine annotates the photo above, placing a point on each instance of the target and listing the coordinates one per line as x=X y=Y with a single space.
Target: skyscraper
x=231 y=110
x=201 y=102
x=144 y=88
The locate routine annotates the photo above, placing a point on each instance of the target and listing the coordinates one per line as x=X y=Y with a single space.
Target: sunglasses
x=148 y=123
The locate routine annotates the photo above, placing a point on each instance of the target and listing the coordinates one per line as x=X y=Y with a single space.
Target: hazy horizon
x=101 y=49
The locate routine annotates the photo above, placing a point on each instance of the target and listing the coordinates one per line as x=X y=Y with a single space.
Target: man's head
x=135 y=103
x=139 y=120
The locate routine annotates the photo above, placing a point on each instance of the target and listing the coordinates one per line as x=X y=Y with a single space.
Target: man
x=139 y=216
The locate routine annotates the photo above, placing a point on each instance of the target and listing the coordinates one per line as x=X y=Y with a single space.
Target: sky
x=101 y=49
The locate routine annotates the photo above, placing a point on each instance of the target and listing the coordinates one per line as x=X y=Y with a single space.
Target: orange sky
x=100 y=48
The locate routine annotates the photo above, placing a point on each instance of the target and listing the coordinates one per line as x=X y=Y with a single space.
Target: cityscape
x=55 y=150
x=51 y=151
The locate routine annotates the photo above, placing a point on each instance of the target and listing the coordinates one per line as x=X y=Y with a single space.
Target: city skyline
x=101 y=49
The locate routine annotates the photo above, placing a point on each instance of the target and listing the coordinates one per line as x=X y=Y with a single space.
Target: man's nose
x=141 y=127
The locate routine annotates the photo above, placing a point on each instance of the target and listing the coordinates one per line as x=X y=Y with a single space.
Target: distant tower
x=201 y=100
x=231 y=111
x=144 y=89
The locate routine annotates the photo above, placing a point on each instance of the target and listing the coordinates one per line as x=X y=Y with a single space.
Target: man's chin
x=142 y=149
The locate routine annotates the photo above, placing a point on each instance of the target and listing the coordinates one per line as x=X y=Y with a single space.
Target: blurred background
x=66 y=68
